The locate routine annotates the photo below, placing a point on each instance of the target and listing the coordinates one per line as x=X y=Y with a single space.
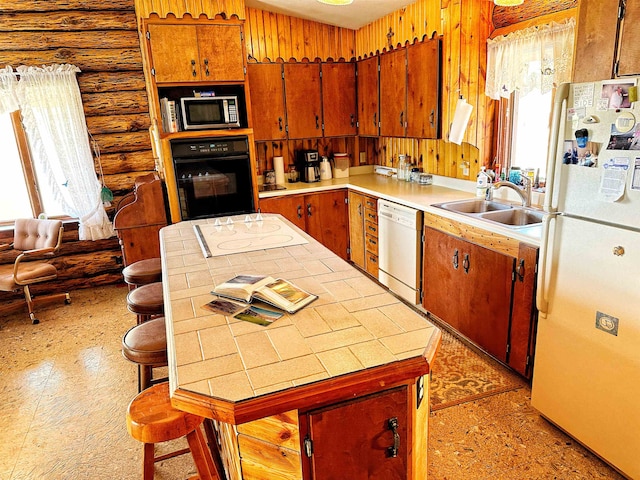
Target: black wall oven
x=213 y=176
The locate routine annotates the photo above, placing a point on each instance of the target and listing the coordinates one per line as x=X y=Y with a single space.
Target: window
x=530 y=131
x=20 y=194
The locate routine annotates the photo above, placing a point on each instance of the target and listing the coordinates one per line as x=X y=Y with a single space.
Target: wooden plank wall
x=101 y=39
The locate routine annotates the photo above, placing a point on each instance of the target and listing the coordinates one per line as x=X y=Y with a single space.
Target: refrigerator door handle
x=547 y=242
x=557 y=115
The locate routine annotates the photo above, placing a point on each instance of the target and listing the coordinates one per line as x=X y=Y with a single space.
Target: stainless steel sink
x=516 y=217
x=475 y=205
x=510 y=216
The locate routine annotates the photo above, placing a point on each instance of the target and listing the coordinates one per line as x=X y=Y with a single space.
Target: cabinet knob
x=618 y=251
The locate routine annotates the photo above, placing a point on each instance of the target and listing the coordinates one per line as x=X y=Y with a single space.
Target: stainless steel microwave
x=208 y=113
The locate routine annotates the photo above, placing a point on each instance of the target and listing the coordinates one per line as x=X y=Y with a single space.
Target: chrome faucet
x=524 y=191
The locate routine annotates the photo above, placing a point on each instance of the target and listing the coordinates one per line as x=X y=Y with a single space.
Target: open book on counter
x=276 y=292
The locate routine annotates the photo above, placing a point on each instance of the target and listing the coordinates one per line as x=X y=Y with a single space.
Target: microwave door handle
x=225 y=108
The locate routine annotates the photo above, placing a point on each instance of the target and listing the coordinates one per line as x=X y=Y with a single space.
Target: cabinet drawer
x=371 y=244
x=371 y=228
x=371 y=262
x=371 y=215
x=265 y=460
x=371 y=203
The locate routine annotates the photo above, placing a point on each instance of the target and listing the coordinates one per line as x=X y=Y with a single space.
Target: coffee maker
x=309 y=165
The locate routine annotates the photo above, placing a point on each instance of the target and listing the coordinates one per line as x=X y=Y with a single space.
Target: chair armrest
x=6 y=246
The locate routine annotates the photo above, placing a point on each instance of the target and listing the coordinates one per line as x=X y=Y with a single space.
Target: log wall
x=101 y=39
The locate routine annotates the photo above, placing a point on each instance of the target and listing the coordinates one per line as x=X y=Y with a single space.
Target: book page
x=242 y=286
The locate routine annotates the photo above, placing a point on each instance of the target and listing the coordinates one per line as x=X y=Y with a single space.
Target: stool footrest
x=167 y=456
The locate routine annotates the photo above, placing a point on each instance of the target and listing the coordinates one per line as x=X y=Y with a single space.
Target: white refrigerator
x=586 y=377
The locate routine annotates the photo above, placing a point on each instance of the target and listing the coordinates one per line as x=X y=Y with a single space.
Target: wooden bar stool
x=152 y=419
x=146 y=301
x=143 y=272
x=146 y=345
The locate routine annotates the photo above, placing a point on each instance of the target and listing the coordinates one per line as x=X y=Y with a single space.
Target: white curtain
x=54 y=120
x=533 y=58
x=8 y=85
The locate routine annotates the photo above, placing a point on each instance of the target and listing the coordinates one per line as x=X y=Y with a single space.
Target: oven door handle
x=200 y=158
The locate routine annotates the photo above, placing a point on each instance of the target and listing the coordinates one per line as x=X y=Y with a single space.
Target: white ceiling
x=354 y=16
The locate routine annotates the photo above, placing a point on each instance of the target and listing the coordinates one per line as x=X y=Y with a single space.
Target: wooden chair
x=152 y=419
x=34 y=241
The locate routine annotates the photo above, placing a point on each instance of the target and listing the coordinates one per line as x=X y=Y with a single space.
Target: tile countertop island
x=355 y=342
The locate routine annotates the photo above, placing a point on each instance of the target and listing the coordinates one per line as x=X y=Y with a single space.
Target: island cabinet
x=303 y=99
x=267 y=101
x=606 y=40
x=186 y=52
x=339 y=99
x=322 y=215
x=393 y=93
x=368 y=97
x=482 y=285
x=363 y=232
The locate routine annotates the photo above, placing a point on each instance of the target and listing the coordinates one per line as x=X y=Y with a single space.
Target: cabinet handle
x=402 y=118
x=359 y=209
x=353 y=120
x=392 y=451
x=375 y=116
x=455 y=259
x=317 y=122
x=309 y=209
x=299 y=211
x=280 y=123
x=206 y=67
x=431 y=117
x=373 y=260
x=193 y=68
x=465 y=263
x=371 y=228
x=520 y=270
x=372 y=241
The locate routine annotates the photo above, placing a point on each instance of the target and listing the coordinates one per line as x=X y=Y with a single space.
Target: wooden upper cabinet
x=339 y=99
x=368 y=102
x=423 y=86
x=303 y=99
x=194 y=53
x=267 y=101
x=393 y=93
x=628 y=57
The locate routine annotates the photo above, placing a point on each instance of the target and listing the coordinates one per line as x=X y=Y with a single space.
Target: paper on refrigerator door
x=613 y=179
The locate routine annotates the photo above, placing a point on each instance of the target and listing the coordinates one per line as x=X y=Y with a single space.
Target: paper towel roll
x=460 y=121
x=278 y=166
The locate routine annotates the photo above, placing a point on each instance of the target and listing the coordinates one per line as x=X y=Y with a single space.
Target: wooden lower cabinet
x=377 y=436
x=363 y=232
x=322 y=215
x=483 y=293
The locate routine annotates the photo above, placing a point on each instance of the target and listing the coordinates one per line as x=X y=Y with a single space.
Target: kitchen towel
x=278 y=166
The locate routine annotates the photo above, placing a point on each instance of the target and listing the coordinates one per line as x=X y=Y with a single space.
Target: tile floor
x=65 y=387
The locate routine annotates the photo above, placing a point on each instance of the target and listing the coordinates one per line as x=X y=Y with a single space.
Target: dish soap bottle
x=483 y=182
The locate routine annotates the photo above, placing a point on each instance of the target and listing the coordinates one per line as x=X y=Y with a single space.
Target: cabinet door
x=442 y=261
x=356 y=229
x=174 y=52
x=303 y=100
x=423 y=85
x=368 y=102
x=339 y=99
x=328 y=220
x=221 y=54
x=352 y=440
x=291 y=207
x=595 y=40
x=628 y=58
x=524 y=314
x=485 y=305
x=267 y=101
x=393 y=93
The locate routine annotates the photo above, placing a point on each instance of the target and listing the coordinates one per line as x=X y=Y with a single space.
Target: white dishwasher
x=400 y=249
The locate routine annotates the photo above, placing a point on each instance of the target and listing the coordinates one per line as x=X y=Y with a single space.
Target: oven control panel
x=209 y=147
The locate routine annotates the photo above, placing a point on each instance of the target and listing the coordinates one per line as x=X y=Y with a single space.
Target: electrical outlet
x=607 y=323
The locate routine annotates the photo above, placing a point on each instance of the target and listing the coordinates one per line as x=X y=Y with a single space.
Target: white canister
x=341 y=167
x=325 y=169
x=278 y=166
